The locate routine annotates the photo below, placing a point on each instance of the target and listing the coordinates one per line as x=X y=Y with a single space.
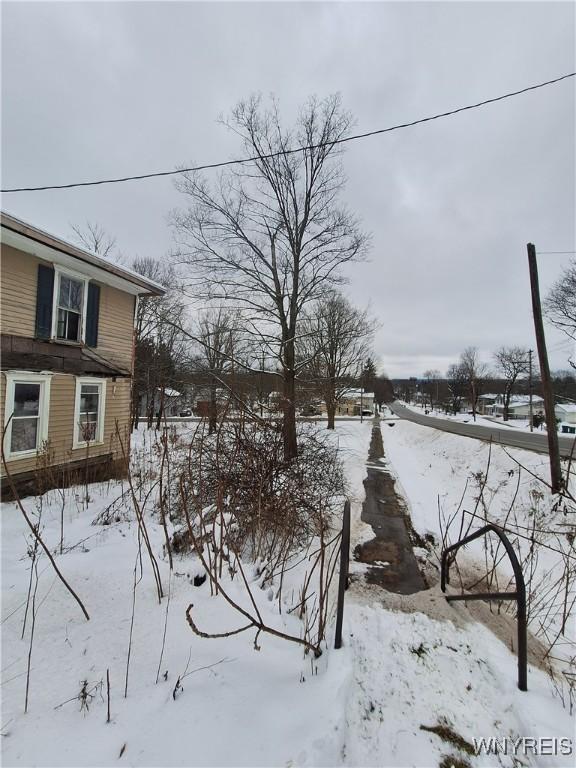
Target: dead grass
x=443 y=730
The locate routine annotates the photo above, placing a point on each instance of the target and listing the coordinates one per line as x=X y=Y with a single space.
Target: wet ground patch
x=389 y=556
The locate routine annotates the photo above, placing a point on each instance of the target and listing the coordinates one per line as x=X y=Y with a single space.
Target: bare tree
x=336 y=342
x=431 y=383
x=160 y=340
x=95 y=239
x=560 y=304
x=512 y=363
x=474 y=372
x=218 y=336
x=270 y=236
x=457 y=386
x=383 y=390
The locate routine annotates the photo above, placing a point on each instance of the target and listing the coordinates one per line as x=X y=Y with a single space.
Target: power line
x=309 y=147
x=549 y=253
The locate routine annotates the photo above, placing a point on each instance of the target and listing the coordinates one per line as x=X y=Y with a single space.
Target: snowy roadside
x=363 y=705
x=420 y=663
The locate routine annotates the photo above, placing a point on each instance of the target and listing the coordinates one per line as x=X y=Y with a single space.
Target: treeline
x=511 y=371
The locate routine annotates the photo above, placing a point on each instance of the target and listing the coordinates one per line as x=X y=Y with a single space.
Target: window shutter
x=92 y=312
x=44 y=296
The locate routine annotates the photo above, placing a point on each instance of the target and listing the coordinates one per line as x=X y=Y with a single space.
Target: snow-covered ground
x=362 y=705
x=440 y=471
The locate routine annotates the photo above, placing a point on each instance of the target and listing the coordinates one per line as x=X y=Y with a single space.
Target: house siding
x=18 y=293
x=18 y=308
x=61 y=423
x=116 y=326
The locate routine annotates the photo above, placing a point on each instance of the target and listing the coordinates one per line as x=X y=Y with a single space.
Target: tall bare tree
x=336 y=342
x=512 y=363
x=218 y=337
x=560 y=304
x=456 y=379
x=383 y=390
x=161 y=344
x=474 y=372
x=270 y=236
x=431 y=383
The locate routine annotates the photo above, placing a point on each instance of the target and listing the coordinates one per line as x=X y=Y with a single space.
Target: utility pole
x=262 y=386
x=530 y=353
x=553 y=449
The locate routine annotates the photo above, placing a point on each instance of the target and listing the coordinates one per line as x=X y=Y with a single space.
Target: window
x=69 y=312
x=89 y=411
x=26 y=416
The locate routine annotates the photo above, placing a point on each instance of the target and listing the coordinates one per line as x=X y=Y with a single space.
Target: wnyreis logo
x=524 y=746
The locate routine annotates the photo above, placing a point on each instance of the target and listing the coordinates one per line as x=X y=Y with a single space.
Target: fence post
x=343 y=576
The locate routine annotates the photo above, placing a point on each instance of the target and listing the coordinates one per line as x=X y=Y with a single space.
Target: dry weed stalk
x=33 y=528
x=143 y=530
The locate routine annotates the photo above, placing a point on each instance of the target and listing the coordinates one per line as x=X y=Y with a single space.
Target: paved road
x=530 y=441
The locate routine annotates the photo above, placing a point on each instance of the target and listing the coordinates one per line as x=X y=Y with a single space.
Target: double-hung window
x=89 y=411
x=26 y=413
x=69 y=307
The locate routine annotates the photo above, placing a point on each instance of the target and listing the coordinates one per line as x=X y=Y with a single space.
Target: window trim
x=26 y=377
x=99 y=439
x=58 y=273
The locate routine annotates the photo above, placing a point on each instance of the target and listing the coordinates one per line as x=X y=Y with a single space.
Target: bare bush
x=241 y=501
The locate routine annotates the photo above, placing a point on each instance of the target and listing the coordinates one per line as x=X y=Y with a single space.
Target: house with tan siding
x=67 y=357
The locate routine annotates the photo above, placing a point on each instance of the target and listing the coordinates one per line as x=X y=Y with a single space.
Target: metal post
x=343 y=576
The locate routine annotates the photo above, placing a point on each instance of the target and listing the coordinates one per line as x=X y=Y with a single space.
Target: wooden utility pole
x=553 y=449
x=530 y=353
x=262 y=386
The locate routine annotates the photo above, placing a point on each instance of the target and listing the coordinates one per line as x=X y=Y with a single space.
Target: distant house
x=171 y=399
x=519 y=407
x=67 y=330
x=486 y=403
x=353 y=400
x=566 y=414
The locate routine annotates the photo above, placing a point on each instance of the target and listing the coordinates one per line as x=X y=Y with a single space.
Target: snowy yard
x=406 y=662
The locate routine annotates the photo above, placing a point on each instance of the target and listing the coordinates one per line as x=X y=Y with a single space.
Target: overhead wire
x=241 y=161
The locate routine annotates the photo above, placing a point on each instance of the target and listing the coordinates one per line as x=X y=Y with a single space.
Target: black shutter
x=44 y=296
x=92 y=311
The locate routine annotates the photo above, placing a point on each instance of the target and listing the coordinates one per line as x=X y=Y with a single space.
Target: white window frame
x=58 y=273
x=26 y=377
x=99 y=439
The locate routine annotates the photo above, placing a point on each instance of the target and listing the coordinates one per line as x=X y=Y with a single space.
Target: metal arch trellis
x=519 y=595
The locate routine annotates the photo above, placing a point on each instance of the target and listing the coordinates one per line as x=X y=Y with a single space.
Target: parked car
x=310 y=410
x=186 y=412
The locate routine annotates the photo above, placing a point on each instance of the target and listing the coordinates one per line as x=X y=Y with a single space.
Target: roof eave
x=11 y=223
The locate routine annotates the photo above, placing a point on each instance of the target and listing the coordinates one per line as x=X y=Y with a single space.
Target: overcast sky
x=92 y=90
